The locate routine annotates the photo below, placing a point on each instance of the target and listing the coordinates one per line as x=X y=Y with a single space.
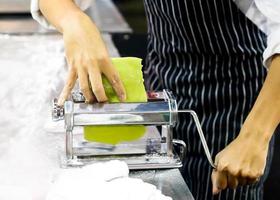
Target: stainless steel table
x=170 y=182
x=103 y=12
x=107 y=17
x=14 y=6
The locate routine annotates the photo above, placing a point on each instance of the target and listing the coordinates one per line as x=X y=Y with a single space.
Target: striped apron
x=210 y=55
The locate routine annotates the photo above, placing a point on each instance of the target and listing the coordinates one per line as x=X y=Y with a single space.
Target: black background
x=134 y=44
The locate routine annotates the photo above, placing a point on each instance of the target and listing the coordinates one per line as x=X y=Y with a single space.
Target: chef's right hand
x=88 y=59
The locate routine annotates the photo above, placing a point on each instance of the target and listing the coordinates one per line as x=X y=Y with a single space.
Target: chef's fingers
x=113 y=76
x=84 y=85
x=219 y=181
x=232 y=181
x=96 y=83
x=70 y=83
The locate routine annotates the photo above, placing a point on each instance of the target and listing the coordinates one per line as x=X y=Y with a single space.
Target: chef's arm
x=86 y=53
x=61 y=13
x=266 y=110
x=243 y=160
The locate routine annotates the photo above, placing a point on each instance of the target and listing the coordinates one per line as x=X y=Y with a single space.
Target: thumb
x=219 y=181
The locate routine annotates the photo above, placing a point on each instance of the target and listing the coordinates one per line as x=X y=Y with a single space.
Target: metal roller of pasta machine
x=154 y=150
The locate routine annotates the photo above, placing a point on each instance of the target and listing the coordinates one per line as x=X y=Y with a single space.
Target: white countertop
x=32 y=72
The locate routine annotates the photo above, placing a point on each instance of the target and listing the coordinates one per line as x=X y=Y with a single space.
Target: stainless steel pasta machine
x=155 y=150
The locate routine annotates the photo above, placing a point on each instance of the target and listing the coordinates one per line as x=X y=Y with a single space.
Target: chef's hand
x=88 y=59
x=243 y=161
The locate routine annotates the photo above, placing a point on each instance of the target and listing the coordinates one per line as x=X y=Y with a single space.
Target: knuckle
x=251 y=174
x=247 y=173
x=115 y=80
x=243 y=174
x=85 y=62
x=102 y=60
x=93 y=62
x=93 y=71
x=255 y=175
x=78 y=61
x=233 y=171
x=222 y=166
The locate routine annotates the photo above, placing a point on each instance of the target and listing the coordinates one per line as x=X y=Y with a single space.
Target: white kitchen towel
x=11 y=192
x=102 y=181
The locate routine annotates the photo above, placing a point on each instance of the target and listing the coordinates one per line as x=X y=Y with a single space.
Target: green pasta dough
x=113 y=134
x=130 y=70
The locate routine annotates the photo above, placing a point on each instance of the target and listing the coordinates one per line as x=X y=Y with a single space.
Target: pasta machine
x=155 y=150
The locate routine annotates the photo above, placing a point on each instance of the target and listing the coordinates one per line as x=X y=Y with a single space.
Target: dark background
x=135 y=45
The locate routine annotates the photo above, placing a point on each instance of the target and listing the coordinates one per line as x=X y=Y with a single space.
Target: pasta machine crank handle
x=201 y=135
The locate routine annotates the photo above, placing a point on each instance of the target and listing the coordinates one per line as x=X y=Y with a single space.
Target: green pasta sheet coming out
x=113 y=134
x=130 y=70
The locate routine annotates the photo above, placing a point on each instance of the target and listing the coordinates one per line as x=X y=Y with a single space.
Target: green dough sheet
x=130 y=70
x=113 y=134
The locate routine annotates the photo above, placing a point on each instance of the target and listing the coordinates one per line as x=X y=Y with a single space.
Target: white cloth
x=14 y=193
x=264 y=13
x=102 y=181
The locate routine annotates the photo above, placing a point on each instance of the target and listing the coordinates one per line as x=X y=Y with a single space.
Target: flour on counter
x=32 y=73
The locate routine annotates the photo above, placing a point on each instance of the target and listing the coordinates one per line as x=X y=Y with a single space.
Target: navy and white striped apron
x=210 y=55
